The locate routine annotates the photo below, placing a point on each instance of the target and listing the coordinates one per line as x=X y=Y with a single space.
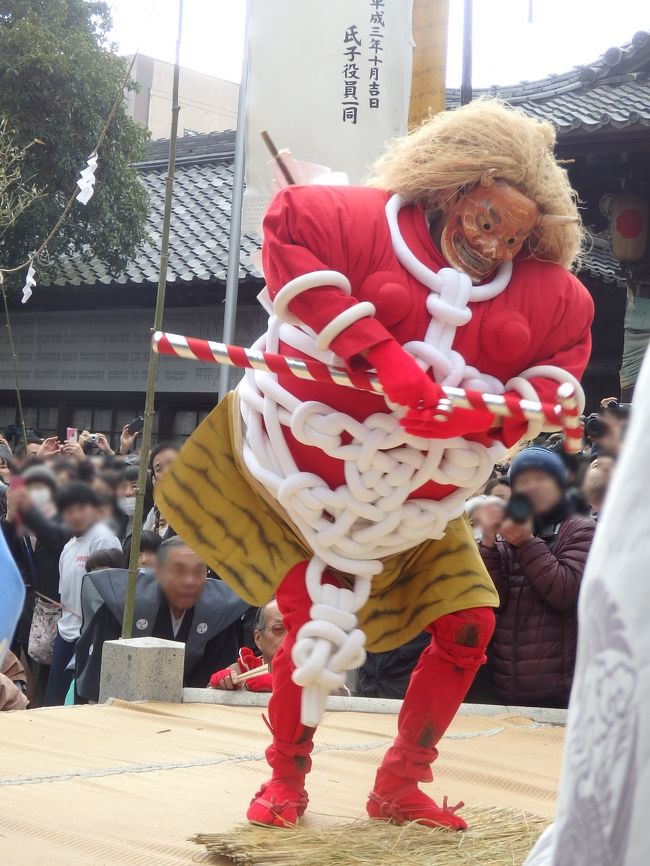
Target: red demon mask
x=486 y=226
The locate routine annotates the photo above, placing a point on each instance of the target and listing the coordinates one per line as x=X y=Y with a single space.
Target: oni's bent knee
x=470 y=628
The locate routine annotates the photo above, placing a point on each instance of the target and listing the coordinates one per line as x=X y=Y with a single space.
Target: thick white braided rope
x=370 y=516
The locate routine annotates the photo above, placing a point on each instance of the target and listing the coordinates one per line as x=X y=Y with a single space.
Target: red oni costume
x=354 y=278
x=383 y=285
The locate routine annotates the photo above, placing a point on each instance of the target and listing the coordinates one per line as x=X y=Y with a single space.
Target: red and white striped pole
x=565 y=413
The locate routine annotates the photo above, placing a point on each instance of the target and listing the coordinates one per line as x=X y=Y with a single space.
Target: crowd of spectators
x=534 y=522
x=67 y=511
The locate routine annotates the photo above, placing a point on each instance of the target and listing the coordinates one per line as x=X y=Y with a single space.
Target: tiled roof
x=193 y=148
x=198 y=240
x=198 y=243
x=613 y=92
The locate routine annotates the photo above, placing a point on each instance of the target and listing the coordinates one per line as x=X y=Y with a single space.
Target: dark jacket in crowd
x=213 y=631
x=534 y=644
x=387 y=674
x=40 y=565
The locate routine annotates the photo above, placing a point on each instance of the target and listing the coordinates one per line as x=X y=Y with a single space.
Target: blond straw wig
x=456 y=149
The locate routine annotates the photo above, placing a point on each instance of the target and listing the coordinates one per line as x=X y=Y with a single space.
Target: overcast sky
x=507 y=48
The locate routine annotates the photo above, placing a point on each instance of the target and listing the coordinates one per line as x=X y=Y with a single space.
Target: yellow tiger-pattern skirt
x=225 y=516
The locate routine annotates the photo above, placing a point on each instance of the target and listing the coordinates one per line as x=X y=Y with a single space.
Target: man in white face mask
x=36 y=495
x=41 y=486
x=125 y=495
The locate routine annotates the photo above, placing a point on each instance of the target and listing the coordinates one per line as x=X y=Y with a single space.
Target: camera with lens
x=595 y=426
x=519 y=508
x=93 y=438
x=620 y=411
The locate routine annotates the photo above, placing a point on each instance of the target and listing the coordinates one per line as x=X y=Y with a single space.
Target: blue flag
x=12 y=597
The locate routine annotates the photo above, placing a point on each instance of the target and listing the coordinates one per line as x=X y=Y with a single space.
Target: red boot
x=438 y=685
x=282 y=801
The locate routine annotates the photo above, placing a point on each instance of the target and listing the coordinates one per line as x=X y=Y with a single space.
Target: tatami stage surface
x=127 y=784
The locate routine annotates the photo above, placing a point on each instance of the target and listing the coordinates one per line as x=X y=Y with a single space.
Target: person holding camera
x=605 y=428
x=536 y=557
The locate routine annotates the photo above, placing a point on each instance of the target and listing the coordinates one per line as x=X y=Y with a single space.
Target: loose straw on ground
x=496 y=837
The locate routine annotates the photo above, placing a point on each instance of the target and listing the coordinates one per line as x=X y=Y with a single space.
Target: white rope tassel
x=331 y=644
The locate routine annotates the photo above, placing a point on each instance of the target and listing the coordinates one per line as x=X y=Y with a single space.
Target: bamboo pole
x=129 y=607
x=14 y=359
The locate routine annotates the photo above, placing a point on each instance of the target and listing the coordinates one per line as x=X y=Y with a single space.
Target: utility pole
x=129 y=607
x=466 y=81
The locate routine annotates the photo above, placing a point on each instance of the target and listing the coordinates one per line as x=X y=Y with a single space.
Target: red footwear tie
x=278 y=803
x=408 y=803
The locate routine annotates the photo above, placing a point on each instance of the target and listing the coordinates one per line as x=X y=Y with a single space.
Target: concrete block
x=142 y=669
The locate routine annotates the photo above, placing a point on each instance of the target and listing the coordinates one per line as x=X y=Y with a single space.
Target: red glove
x=262 y=683
x=401 y=378
x=248 y=660
x=217 y=678
x=432 y=424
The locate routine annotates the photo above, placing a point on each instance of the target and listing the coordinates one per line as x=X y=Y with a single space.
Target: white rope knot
x=330 y=644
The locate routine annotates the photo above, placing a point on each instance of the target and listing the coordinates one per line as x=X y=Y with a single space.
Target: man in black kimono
x=177 y=601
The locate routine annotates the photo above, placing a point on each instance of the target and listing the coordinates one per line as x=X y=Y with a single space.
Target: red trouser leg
x=283 y=800
x=438 y=685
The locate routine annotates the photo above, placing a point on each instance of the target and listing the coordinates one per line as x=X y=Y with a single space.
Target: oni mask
x=485 y=227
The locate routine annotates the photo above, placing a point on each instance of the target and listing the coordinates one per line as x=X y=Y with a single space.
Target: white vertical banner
x=330 y=81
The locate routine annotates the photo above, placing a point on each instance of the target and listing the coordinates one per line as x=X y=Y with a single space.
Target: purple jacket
x=534 y=644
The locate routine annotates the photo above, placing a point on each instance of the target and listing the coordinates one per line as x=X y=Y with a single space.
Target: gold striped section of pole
x=430 y=25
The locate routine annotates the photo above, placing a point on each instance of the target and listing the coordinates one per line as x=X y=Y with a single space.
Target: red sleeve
x=305 y=231
x=216 y=677
x=567 y=345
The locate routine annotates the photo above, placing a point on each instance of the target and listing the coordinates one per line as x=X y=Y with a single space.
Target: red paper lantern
x=628 y=225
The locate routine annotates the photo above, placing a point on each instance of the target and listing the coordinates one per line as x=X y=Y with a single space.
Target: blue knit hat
x=540 y=459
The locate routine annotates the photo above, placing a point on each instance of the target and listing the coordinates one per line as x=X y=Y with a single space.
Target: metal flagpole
x=234 y=246
x=129 y=607
x=466 y=81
